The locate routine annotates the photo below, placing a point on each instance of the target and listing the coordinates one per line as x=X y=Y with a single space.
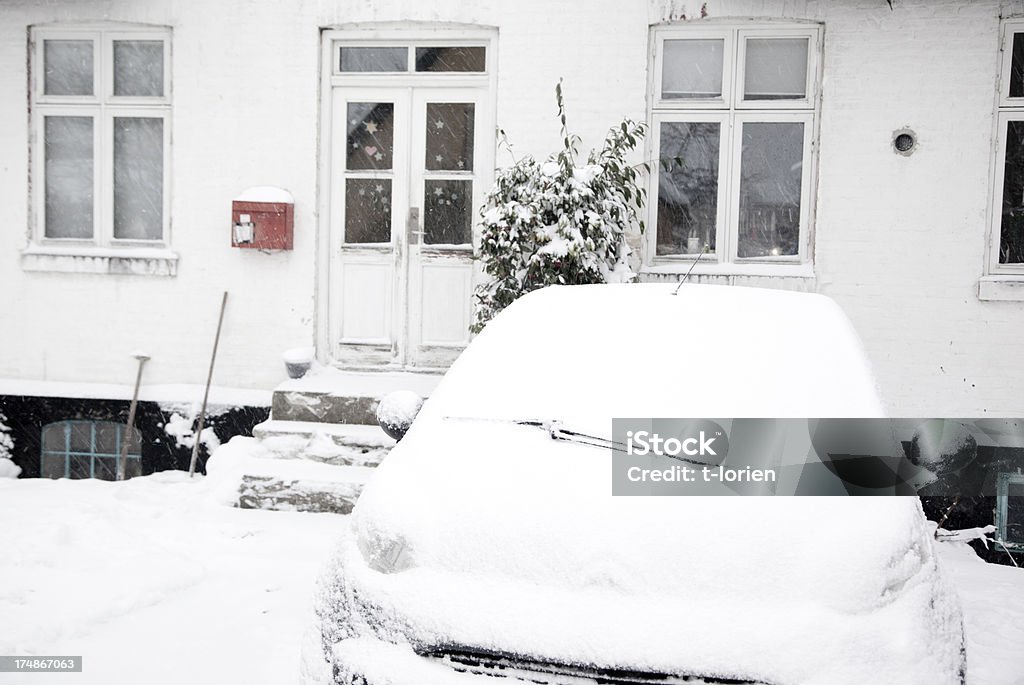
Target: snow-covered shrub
x=8 y=469
x=561 y=221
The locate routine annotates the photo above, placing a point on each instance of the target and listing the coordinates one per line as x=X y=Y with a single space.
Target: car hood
x=541 y=560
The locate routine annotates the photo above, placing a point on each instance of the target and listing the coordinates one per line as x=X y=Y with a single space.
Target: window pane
x=692 y=68
x=132 y=467
x=69 y=176
x=1015 y=513
x=776 y=69
x=105 y=468
x=80 y=466
x=451 y=59
x=68 y=69
x=688 y=187
x=374 y=59
x=53 y=437
x=139 y=67
x=1011 y=234
x=138 y=178
x=53 y=466
x=771 y=173
x=371 y=132
x=448 y=216
x=81 y=437
x=450 y=136
x=367 y=210
x=1017 y=67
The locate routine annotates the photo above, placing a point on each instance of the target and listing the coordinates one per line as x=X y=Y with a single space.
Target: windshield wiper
x=554 y=429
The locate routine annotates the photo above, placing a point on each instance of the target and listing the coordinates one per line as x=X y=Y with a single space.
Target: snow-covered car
x=483 y=547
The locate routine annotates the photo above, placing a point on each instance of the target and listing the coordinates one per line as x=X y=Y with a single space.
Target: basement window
x=89 y=449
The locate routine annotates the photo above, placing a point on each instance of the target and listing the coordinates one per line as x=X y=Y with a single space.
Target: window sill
x=1001 y=288
x=138 y=261
x=680 y=267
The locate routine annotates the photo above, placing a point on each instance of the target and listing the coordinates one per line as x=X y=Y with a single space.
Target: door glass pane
x=451 y=59
x=68 y=69
x=367 y=210
x=69 y=176
x=449 y=133
x=1011 y=233
x=776 y=69
x=688 y=187
x=138 y=178
x=371 y=132
x=139 y=67
x=771 y=172
x=374 y=59
x=692 y=68
x=448 y=216
x=1017 y=67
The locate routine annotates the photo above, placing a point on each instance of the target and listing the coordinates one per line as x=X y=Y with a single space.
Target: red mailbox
x=264 y=218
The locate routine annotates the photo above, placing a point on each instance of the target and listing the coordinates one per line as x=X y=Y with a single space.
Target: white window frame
x=731 y=111
x=104 y=107
x=1002 y=281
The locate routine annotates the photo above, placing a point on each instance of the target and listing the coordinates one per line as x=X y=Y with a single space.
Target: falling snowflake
x=371 y=126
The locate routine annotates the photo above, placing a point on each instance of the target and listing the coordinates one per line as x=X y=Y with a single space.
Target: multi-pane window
x=89 y=449
x=733 y=118
x=101 y=115
x=1008 y=214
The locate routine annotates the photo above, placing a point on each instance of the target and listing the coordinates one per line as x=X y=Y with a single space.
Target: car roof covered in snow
x=586 y=354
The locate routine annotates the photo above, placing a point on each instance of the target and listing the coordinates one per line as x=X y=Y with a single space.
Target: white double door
x=405 y=186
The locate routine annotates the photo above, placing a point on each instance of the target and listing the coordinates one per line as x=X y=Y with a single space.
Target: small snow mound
x=8 y=469
x=299 y=355
x=396 y=411
x=265 y=194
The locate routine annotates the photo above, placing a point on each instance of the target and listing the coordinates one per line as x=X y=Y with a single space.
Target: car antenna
x=687 y=275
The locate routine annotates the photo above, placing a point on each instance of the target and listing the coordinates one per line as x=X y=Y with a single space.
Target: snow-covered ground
x=154 y=581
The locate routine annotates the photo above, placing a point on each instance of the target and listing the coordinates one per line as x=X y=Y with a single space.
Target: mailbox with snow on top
x=263 y=217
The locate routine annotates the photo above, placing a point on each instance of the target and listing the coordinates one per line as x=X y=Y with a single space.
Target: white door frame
x=332 y=79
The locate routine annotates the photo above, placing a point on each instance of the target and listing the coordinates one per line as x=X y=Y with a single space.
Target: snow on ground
x=152 y=581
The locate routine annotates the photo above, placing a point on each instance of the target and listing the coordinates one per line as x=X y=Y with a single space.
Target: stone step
x=329 y=395
x=321 y=489
x=329 y=443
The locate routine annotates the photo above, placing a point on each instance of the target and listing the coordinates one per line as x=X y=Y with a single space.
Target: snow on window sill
x=1001 y=288
x=140 y=261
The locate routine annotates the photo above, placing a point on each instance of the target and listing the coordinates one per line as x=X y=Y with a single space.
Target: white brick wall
x=899 y=241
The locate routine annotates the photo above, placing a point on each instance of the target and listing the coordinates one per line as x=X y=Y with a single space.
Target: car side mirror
x=396 y=412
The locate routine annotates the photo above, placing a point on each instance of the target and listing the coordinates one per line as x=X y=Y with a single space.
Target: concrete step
x=329 y=395
x=329 y=443
x=276 y=485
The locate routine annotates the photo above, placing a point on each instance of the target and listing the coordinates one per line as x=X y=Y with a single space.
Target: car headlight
x=385 y=552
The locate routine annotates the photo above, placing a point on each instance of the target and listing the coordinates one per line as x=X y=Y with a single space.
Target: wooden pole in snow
x=123 y=458
x=206 y=394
